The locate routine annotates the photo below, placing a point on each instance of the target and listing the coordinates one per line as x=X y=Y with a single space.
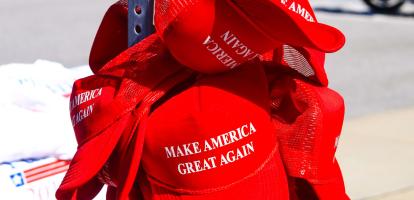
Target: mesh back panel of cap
x=166 y=12
x=297 y=61
x=299 y=136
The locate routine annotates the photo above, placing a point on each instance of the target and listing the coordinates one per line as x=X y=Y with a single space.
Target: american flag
x=45 y=170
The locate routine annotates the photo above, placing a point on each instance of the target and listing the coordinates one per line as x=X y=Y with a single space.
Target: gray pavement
x=376 y=154
x=404 y=194
x=374 y=72
x=55 y=30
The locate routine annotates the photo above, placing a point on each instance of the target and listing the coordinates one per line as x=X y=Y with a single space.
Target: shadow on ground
x=364 y=13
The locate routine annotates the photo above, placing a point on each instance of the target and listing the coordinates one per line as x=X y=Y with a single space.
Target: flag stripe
x=47 y=173
x=46 y=167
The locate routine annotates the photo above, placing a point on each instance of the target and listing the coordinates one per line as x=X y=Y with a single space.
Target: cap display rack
x=140 y=20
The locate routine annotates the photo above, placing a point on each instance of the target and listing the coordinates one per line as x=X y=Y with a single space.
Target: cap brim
x=323 y=37
x=266 y=183
x=91 y=156
x=332 y=189
x=291 y=28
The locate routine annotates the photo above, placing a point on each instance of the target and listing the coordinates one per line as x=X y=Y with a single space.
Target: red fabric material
x=112 y=36
x=111 y=134
x=111 y=40
x=309 y=63
x=110 y=108
x=215 y=140
x=222 y=34
x=308 y=122
x=295 y=21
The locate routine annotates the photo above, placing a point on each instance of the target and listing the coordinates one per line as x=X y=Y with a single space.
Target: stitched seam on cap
x=220 y=188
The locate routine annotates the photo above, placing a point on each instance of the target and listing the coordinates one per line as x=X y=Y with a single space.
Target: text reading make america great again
x=236 y=136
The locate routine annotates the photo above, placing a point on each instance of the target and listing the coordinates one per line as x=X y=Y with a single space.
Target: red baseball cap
x=109 y=109
x=214 y=140
x=308 y=120
x=217 y=35
x=97 y=134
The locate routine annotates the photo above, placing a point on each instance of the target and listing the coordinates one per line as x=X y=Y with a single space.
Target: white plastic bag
x=34 y=110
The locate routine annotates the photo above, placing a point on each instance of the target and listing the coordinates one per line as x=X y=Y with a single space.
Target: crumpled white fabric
x=33 y=179
x=34 y=110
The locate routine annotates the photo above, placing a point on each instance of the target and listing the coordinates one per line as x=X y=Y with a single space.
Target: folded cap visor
x=209 y=35
x=98 y=126
x=218 y=35
x=292 y=22
x=91 y=157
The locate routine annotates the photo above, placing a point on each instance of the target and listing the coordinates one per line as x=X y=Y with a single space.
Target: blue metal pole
x=140 y=20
